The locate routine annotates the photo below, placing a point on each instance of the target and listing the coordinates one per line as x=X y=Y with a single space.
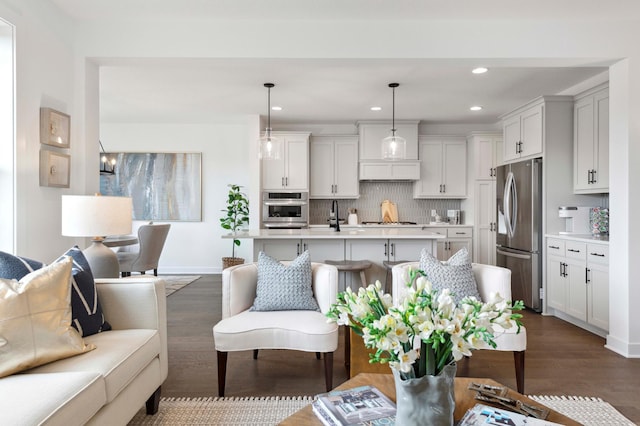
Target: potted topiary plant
x=237 y=215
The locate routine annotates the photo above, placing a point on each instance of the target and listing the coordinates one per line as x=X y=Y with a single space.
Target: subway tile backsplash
x=371 y=196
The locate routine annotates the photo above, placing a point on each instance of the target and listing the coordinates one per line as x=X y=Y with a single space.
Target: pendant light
x=394 y=147
x=269 y=148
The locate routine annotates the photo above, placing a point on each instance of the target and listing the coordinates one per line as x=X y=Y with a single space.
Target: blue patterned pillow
x=455 y=274
x=284 y=287
x=86 y=312
x=16 y=267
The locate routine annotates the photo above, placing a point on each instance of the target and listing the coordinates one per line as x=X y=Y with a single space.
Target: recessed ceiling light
x=376 y=108
x=276 y=108
x=475 y=108
x=479 y=70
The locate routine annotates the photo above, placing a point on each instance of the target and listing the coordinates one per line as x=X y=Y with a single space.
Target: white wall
x=195 y=247
x=6 y=137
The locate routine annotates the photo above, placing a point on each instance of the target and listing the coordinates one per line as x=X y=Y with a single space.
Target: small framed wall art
x=54 y=128
x=54 y=169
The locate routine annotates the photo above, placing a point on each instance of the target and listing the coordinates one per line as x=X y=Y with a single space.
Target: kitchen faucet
x=333 y=215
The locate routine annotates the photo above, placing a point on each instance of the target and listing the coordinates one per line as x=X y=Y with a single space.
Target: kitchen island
x=375 y=244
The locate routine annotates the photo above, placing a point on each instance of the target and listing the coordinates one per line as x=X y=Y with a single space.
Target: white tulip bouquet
x=426 y=331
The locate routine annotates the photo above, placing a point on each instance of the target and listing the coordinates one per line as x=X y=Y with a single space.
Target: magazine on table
x=364 y=405
x=482 y=414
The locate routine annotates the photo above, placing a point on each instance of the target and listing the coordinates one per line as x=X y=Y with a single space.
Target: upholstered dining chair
x=489 y=279
x=151 y=239
x=242 y=329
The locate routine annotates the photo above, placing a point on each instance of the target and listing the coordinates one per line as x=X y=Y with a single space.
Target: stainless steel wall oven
x=285 y=210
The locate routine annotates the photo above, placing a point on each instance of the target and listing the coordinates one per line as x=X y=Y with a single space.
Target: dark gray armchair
x=151 y=239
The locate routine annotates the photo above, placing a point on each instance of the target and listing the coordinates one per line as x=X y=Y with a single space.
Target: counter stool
x=389 y=264
x=350 y=266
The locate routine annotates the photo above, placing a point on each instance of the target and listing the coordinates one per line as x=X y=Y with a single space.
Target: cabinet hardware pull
x=304 y=247
x=564 y=269
x=461 y=233
x=282 y=180
x=444 y=188
x=573 y=251
x=586 y=275
x=597 y=254
x=286 y=181
x=554 y=247
x=393 y=249
x=298 y=249
x=385 y=249
x=593 y=176
x=588 y=176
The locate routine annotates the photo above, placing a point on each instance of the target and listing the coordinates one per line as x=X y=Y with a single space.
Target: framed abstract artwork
x=163 y=186
x=55 y=169
x=54 y=128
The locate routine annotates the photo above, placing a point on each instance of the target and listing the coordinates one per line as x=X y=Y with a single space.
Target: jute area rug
x=223 y=411
x=272 y=410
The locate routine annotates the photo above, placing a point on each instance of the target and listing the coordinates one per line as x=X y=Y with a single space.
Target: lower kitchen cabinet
x=578 y=282
x=484 y=242
x=289 y=249
x=457 y=239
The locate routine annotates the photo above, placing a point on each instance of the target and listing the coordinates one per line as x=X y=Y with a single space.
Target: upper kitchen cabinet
x=291 y=170
x=334 y=167
x=443 y=167
x=486 y=152
x=523 y=133
x=591 y=141
x=526 y=129
x=372 y=133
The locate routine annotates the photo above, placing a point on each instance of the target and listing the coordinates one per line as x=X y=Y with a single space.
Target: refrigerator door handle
x=510 y=198
x=510 y=254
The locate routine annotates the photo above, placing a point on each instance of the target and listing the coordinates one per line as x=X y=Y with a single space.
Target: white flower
x=405 y=360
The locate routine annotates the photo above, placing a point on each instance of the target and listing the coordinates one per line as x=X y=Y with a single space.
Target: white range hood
x=389 y=170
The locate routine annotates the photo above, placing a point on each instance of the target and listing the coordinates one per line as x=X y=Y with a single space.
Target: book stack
x=482 y=414
x=364 y=405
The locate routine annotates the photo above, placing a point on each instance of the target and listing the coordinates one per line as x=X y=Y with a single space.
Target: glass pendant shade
x=269 y=145
x=394 y=147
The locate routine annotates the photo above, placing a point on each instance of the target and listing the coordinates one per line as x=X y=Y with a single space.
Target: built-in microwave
x=285 y=209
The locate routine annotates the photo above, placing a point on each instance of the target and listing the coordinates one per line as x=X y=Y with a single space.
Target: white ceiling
x=331 y=90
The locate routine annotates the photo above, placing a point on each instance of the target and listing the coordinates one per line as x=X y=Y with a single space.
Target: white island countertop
x=346 y=232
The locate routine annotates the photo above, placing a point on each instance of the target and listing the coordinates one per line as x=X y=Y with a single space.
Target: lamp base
x=103 y=261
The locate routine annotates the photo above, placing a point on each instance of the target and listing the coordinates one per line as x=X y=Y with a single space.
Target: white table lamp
x=97 y=217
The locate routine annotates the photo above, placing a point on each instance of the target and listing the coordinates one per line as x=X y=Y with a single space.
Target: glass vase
x=427 y=400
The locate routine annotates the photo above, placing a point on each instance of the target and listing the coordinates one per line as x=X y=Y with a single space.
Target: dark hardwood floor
x=561 y=359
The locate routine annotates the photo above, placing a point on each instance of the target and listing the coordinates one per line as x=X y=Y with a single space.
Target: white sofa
x=106 y=386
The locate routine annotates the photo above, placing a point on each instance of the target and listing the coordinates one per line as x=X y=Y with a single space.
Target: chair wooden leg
x=317 y=355
x=155 y=272
x=328 y=370
x=153 y=403
x=255 y=354
x=347 y=350
x=222 y=371
x=518 y=358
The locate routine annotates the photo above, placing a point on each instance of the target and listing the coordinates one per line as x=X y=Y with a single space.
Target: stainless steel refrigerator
x=519 y=238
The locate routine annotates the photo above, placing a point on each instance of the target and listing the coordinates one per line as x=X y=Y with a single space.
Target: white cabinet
x=377 y=251
x=591 y=141
x=291 y=170
x=443 y=168
x=334 y=167
x=578 y=281
x=523 y=133
x=457 y=237
x=288 y=249
x=485 y=222
x=372 y=132
x=487 y=154
x=389 y=170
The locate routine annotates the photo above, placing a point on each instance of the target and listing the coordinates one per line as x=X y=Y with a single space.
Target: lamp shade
x=96 y=216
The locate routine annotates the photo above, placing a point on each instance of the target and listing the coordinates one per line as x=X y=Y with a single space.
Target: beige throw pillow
x=35 y=319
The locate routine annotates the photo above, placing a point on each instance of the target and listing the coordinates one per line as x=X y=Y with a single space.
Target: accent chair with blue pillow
x=277 y=305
